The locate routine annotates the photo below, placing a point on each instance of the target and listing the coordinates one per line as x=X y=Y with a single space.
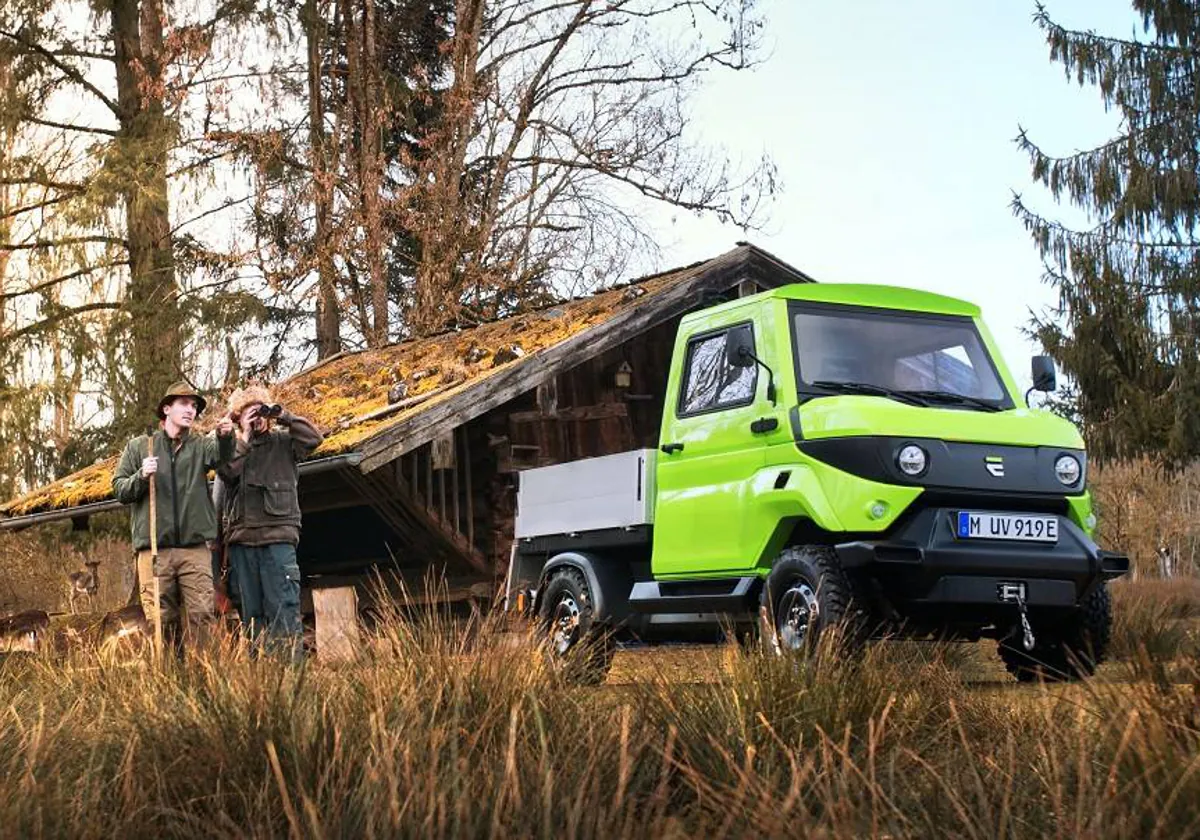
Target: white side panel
x=613 y=491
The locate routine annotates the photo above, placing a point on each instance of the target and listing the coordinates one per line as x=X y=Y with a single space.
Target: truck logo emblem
x=1010 y=593
x=994 y=465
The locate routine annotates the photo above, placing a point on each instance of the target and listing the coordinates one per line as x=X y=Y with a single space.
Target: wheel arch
x=608 y=580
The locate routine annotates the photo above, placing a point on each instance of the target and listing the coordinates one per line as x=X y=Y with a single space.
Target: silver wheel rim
x=798 y=612
x=564 y=624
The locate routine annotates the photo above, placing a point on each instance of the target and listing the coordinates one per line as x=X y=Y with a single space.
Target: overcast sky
x=892 y=125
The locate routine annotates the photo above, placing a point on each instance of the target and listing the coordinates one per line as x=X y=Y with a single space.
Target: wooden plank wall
x=580 y=414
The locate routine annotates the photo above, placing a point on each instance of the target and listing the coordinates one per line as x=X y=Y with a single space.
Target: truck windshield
x=927 y=359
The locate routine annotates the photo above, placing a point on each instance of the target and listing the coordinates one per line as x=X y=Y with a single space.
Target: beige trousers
x=184 y=580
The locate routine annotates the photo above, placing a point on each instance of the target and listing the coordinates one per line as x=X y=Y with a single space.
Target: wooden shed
x=424 y=437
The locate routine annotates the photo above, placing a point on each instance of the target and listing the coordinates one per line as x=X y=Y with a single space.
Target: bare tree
x=562 y=119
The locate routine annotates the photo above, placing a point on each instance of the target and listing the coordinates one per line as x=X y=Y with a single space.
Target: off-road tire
x=808 y=578
x=1071 y=651
x=584 y=655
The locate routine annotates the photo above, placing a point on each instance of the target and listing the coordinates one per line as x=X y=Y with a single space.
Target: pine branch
x=40 y=244
x=51 y=283
x=1055 y=30
x=72 y=73
x=41 y=182
x=39 y=205
x=212 y=211
x=60 y=315
x=70 y=126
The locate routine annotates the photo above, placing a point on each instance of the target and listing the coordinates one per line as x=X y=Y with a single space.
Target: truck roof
x=882 y=297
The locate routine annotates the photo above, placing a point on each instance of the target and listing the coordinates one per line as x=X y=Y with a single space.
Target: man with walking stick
x=163 y=475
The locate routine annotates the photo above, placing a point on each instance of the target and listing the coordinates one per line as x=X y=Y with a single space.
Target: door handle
x=764 y=424
x=671 y=448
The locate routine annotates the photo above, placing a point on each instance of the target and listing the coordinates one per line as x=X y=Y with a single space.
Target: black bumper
x=923 y=563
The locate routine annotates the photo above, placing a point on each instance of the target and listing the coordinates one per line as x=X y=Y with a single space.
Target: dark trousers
x=267 y=583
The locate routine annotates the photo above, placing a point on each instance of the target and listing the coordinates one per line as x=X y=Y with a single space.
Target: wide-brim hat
x=180 y=389
x=243 y=398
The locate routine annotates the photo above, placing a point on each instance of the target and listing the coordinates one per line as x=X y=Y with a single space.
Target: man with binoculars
x=262 y=516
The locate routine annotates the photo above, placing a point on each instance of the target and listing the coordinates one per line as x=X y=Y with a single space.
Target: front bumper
x=922 y=563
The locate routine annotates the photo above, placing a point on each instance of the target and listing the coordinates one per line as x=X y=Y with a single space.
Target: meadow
x=446 y=729
x=449 y=729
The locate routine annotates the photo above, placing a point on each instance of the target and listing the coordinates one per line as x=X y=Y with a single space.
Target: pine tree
x=1127 y=327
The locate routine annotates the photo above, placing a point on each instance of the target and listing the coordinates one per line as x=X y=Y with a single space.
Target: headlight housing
x=912 y=460
x=1068 y=470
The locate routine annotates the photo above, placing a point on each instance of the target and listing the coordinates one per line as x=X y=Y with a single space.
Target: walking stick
x=156 y=612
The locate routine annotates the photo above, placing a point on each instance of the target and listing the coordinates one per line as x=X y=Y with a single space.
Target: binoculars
x=268 y=410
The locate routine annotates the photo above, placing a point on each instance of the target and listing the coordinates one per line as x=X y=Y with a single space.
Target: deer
x=84 y=583
x=23 y=631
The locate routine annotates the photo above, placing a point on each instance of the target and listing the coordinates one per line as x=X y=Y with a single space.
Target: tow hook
x=1027 y=640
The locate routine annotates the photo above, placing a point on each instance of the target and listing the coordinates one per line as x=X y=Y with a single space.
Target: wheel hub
x=798 y=611
x=564 y=624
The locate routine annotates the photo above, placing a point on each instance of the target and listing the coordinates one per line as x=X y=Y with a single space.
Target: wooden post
x=441 y=475
x=336 y=611
x=429 y=477
x=156 y=609
x=466 y=459
x=454 y=483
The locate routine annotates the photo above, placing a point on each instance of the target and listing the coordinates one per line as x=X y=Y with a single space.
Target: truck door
x=709 y=456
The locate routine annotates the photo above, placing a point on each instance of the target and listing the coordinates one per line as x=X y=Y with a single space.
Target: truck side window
x=710 y=382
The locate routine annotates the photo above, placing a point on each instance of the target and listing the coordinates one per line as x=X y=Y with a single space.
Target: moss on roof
x=336 y=394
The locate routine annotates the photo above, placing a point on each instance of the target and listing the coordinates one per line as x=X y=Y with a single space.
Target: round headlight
x=912 y=460
x=1067 y=469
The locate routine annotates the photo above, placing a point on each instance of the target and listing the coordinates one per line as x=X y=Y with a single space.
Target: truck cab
x=849 y=455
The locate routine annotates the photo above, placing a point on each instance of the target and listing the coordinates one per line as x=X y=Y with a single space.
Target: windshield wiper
x=958 y=399
x=871 y=390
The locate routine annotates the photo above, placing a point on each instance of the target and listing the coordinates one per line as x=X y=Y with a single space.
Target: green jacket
x=262 y=506
x=184 y=508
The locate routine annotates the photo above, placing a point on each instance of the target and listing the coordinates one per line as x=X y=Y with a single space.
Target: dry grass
x=442 y=730
x=1143 y=508
x=1156 y=622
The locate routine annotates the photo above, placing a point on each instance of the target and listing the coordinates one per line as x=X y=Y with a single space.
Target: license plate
x=974 y=525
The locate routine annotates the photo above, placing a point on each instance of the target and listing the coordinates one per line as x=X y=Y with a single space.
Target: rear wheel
x=1068 y=651
x=576 y=645
x=806 y=594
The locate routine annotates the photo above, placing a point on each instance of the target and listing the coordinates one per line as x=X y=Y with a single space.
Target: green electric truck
x=830 y=455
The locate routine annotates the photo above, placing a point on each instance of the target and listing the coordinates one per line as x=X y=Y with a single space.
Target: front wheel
x=807 y=594
x=581 y=650
x=1067 y=651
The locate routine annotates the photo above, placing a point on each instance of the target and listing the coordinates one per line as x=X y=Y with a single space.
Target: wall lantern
x=623 y=378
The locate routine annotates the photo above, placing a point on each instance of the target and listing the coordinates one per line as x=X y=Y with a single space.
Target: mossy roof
x=337 y=394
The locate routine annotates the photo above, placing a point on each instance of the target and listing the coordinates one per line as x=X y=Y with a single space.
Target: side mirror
x=738 y=350
x=1044 y=376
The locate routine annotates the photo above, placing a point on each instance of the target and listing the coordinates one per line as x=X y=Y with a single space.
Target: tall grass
x=446 y=729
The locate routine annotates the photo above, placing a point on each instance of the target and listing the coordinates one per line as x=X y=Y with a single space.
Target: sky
x=892 y=126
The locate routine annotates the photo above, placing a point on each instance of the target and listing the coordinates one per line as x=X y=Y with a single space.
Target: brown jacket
x=262 y=505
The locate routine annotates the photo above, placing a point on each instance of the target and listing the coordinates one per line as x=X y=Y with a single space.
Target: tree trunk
x=7 y=191
x=329 y=339
x=64 y=389
x=142 y=146
x=372 y=115
x=446 y=230
x=351 y=118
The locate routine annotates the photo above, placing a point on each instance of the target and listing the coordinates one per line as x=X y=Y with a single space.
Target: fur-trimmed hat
x=180 y=389
x=243 y=398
